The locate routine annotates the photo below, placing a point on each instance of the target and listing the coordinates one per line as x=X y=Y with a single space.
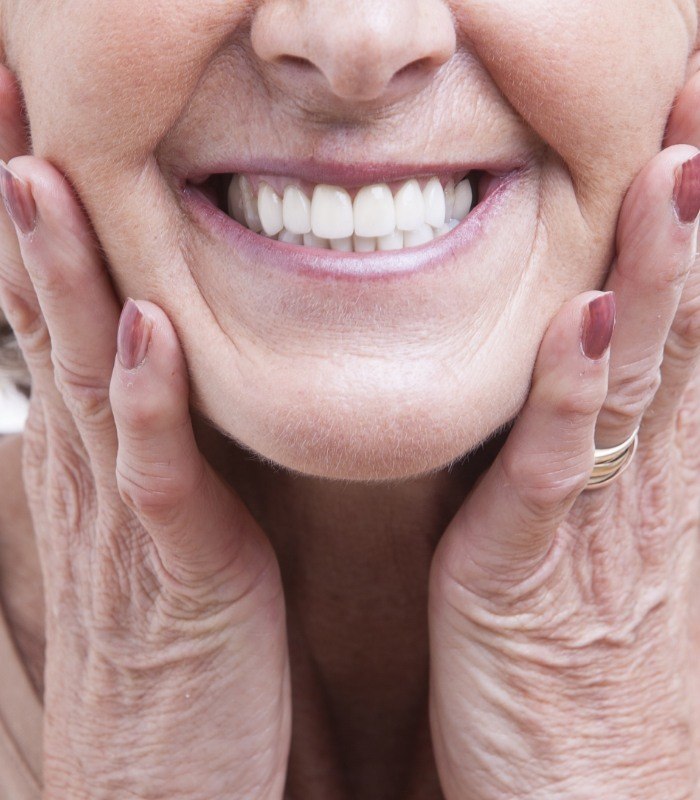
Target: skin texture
x=256 y=345
x=348 y=550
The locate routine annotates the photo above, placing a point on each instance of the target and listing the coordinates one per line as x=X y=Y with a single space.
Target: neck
x=355 y=560
x=317 y=524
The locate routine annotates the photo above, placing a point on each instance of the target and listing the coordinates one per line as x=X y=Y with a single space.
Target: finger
x=655 y=250
x=197 y=523
x=74 y=292
x=506 y=527
x=13 y=142
x=681 y=356
x=29 y=327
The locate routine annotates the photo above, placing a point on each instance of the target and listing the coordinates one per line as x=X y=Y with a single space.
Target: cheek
x=86 y=85
x=594 y=79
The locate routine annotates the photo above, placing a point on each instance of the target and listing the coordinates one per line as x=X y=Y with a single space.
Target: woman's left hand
x=564 y=653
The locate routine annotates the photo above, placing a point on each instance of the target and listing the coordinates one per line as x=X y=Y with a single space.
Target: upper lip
x=344 y=174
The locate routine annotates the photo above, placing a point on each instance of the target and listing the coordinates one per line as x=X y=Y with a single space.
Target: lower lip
x=339 y=265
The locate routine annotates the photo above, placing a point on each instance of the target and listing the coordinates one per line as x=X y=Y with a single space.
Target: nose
x=354 y=50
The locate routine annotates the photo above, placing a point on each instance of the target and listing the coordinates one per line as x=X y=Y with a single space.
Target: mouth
x=309 y=222
x=361 y=219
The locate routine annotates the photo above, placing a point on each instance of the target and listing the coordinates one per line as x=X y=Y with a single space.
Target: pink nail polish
x=598 y=326
x=18 y=198
x=133 y=337
x=686 y=193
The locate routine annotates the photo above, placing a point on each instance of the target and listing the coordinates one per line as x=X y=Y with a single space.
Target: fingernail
x=19 y=202
x=134 y=336
x=598 y=326
x=686 y=193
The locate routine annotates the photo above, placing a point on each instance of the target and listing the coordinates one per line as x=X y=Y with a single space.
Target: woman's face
x=558 y=103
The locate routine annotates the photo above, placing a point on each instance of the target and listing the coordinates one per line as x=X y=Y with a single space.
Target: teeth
x=392 y=241
x=311 y=240
x=420 y=236
x=331 y=212
x=449 y=200
x=364 y=244
x=242 y=205
x=410 y=206
x=463 y=200
x=235 y=200
x=296 y=210
x=446 y=228
x=375 y=220
x=269 y=209
x=289 y=237
x=344 y=244
x=434 y=199
x=374 y=210
x=250 y=207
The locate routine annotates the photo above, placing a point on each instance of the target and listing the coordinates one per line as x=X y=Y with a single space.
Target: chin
x=356 y=431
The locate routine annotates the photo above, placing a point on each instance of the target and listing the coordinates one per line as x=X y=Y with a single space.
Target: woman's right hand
x=167 y=672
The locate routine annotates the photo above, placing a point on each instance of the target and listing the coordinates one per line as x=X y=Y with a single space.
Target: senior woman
x=318 y=513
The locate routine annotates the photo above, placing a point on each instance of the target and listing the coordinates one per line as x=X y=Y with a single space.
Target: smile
x=363 y=219
x=355 y=226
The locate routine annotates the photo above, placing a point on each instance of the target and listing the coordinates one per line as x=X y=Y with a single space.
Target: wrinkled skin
x=257 y=347
x=559 y=617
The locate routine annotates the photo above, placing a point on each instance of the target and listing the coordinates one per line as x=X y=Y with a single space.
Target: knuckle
x=544 y=492
x=686 y=329
x=632 y=393
x=22 y=312
x=85 y=397
x=140 y=412
x=34 y=336
x=154 y=491
x=672 y=277
x=70 y=490
x=581 y=403
x=50 y=279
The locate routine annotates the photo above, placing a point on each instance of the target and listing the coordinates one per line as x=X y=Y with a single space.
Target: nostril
x=418 y=65
x=361 y=48
x=296 y=61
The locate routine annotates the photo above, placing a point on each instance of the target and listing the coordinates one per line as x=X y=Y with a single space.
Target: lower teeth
x=399 y=240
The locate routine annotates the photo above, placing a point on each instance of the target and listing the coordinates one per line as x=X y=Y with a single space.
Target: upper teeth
x=375 y=220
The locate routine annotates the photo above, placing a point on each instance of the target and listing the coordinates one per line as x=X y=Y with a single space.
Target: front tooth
x=374 y=211
x=421 y=236
x=289 y=237
x=410 y=206
x=364 y=244
x=449 y=200
x=463 y=200
x=434 y=198
x=235 y=200
x=250 y=206
x=331 y=212
x=311 y=240
x=344 y=244
x=296 y=210
x=269 y=209
x=392 y=241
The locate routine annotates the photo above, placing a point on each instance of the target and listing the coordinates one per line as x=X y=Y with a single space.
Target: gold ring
x=610 y=462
